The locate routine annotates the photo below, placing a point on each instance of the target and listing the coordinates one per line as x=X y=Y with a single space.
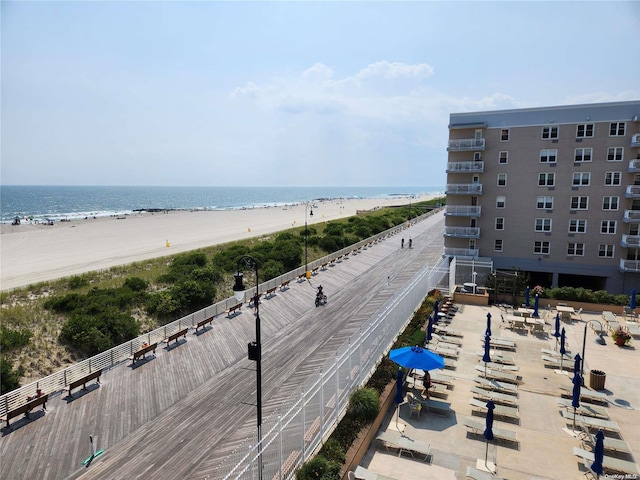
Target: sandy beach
x=35 y=253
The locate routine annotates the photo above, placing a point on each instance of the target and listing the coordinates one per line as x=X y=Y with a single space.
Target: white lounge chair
x=497 y=374
x=608 y=463
x=500 y=366
x=591 y=422
x=610 y=444
x=489 y=384
x=498 y=357
x=586 y=395
x=498 y=411
x=403 y=444
x=586 y=410
x=485 y=395
x=500 y=433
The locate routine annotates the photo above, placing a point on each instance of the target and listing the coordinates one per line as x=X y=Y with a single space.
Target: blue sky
x=287 y=93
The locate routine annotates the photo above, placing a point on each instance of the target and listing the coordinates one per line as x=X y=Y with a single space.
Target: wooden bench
x=26 y=408
x=284 y=285
x=314 y=271
x=175 y=336
x=251 y=302
x=324 y=265
x=83 y=381
x=302 y=277
x=202 y=323
x=143 y=352
x=270 y=292
x=233 y=309
x=288 y=465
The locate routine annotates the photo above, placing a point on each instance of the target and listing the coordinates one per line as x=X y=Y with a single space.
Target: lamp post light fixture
x=474 y=275
x=254 y=348
x=600 y=340
x=306 y=234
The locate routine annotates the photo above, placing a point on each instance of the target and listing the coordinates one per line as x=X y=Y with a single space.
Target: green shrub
x=333 y=451
x=13 y=339
x=136 y=284
x=9 y=377
x=77 y=281
x=319 y=468
x=364 y=404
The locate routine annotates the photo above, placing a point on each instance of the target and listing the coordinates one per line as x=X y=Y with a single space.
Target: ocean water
x=68 y=202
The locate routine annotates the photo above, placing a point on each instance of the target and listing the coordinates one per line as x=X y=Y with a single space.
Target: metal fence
x=306 y=418
x=56 y=382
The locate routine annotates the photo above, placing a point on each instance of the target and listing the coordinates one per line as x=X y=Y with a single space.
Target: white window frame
x=550 y=132
x=582 y=155
x=606 y=250
x=549 y=155
x=617 y=129
x=502 y=177
x=544 y=200
x=504 y=201
x=498 y=245
x=585 y=130
x=608 y=227
x=581 y=179
x=542 y=225
x=575 y=249
x=499 y=224
x=503 y=157
x=615 y=154
x=541 y=247
x=548 y=179
x=505 y=133
x=613 y=178
x=609 y=202
x=582 y=203
x=577 y=225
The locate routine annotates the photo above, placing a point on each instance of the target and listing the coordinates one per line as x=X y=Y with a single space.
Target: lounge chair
x=497 y=374
x=553 y=353
x=437 y=377
x=447 y=339
x=555 y=362
x=489 y=384
x=586 y=410
x=448 y=331
x=446 y=352
x=610 y=444
x=634 y=329
x=485 y=395
x=591 y=422
x=436 y=389
x=498 y=411
x=500 y=366
x=586 y=395
x=498 y=357
x=499 y=433
x=399 y=442
x=502 y=344
x=475 y=474
x=610 y=464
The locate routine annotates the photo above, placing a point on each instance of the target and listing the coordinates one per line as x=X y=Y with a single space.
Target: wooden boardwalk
x=180 y=413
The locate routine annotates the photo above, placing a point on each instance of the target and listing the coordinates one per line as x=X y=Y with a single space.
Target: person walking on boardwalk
x=410 y=243
x=402 y=243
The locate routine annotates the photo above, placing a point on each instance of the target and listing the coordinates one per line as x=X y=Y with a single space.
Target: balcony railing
x=630 y=265
x=635 y=140
x=464 y=144
x=634 y=165
x=630 y=241
x=464 y=189
x=465 y=167
x=462 y=210
x=633 y=191
x=631 y=216
x=462 y=232
x=462 y=252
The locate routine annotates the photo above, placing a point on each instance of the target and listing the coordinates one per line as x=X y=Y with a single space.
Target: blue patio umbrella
x=556 y=333
x=416 y=357
x=598 y=454
x=429 y=330
x=575 y=398
x=436 y=305
x=535 y=307
x=399 y=395
x=632 y=303
x=487 y=349
x=488 y=431
x=563 y=350
x=526 y=297
x=577 y=364
x=488 y=331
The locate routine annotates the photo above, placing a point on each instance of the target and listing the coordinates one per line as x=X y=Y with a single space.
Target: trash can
x=596 y=379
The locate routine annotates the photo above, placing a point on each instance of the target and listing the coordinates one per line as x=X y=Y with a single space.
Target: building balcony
x=634 y=165
x=462 y=232
x=630 y=265
x=462 y=210
x=464 y=189
x=635 y=140
x=462 y=252
x=466 y=144
x=465 y=167
x=632 y=191
x=630 y=241
x=631 y=216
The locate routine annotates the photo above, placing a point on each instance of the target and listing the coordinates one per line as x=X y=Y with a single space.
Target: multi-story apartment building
x=551 y=191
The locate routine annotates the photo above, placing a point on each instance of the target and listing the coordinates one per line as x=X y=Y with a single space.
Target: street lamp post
x=306 y=234
x=601 y=341
x=254 y=348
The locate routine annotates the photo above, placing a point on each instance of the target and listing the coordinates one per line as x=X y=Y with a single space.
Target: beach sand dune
x=35 y=253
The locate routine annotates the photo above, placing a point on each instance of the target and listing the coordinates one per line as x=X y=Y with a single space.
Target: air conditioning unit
x=477 y=156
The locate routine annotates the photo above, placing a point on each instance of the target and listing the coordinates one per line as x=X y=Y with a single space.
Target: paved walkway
x=545 y=447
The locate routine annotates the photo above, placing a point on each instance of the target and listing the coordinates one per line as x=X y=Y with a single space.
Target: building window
x=548 y=155
x=575 y=249
x=577 y=226
x=502 y=179
x=541 y=248
x=608 y=227
x=583 y=155
x=549 y=132
x=504 y=135
x=499 y=223
x=546 y=179
x=579 y=203
x=581 y=179
x=612 y=178
x=543 y=225
x=610 y=203
x=501 y=201
x=606 y=251
x=544 y=203
x=614 y=154
x=497 y=245
x=503 y=158
x=584 y=130
x=616 y=129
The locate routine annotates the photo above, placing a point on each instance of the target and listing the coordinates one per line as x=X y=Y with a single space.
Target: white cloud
x=386 y=69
